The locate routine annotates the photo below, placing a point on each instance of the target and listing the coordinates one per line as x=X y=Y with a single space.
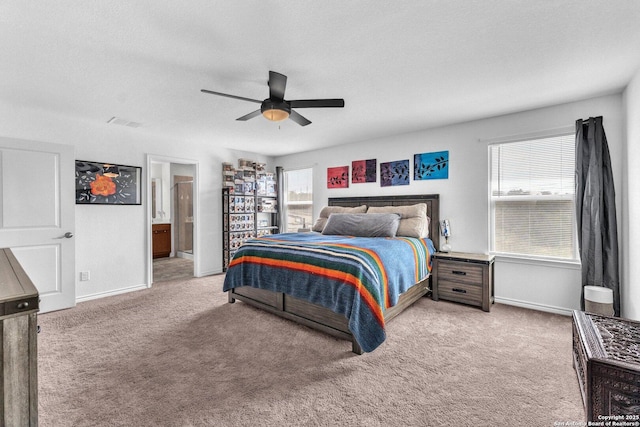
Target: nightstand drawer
x=460 y=292
x=460 y=272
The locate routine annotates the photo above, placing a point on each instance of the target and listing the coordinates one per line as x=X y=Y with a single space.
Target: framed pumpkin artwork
x=107 y=184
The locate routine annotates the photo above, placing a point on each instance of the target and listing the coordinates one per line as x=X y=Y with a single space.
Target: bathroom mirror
x=156 y=198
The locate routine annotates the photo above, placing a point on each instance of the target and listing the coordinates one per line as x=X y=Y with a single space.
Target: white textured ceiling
x=401 y=66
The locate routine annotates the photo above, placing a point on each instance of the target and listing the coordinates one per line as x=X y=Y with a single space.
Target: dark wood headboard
x=432 y=201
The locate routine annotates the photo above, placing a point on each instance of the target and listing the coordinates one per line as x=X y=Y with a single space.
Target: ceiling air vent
x=123 y=122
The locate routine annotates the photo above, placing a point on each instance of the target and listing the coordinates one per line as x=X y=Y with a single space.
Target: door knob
x=68 y=235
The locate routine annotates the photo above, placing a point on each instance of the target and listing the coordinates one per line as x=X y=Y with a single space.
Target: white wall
x=464 y=196
x=111 y=240
x=630 y=288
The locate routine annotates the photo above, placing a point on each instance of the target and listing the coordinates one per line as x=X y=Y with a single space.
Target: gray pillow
x=328 y=210
x=363 y=225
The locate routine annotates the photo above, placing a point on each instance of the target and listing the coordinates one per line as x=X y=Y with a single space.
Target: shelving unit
x=249 y=206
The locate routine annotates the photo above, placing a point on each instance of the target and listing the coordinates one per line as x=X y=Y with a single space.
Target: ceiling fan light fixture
x=275 y=111
x=275 y=115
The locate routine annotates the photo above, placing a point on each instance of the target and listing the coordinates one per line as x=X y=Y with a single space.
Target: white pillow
x=414 y=221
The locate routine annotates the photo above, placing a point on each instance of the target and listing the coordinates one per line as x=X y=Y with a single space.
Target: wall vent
x=123 y=122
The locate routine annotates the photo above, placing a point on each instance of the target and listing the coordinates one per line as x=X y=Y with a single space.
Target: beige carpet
x=179 y=355
x=172 y=268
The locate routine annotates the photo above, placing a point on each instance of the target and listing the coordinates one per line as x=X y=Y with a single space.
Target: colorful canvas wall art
x=338 y=177
x=394 y=173
x=363 y=171
x=431 y=165
x=107 y=184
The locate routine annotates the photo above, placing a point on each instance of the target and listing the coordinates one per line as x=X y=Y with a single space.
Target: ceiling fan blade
x=277 y=85
x=249 y=116
x=316 y=103
x=302 y=121
x=230 y=96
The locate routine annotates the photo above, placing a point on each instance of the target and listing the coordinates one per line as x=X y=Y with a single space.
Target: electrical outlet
x=84 y=276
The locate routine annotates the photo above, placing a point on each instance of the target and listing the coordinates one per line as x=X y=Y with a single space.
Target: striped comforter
x=359 y=277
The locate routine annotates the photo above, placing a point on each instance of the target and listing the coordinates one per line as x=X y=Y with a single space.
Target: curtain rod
x=530 y=135
x=595 y=118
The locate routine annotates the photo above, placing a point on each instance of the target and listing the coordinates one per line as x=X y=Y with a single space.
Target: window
x=532 y=198
x=298 y=199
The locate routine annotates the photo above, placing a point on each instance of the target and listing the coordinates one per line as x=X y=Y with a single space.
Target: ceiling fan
x=276 y=108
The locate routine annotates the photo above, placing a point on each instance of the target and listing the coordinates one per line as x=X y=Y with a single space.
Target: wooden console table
x=606 y=357
x=18 y=344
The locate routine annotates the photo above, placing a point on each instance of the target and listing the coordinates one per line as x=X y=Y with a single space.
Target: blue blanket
x=359 y=277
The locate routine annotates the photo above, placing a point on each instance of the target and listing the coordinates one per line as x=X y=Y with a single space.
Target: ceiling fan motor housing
x=269 y=104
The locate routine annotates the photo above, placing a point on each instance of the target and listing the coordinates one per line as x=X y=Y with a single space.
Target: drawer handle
x=23 y=305
x=459 y=273
x=460 y=291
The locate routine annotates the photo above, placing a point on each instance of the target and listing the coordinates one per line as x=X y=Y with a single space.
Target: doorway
x=173 y=192
x=183 y=208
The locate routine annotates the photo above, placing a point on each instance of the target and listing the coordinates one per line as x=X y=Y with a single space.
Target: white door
x=37 y=207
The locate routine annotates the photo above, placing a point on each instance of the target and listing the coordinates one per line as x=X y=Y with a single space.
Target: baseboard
x=209 y=273
x=111 y=293
x=130 y=289
x=534 y=306
x=184 y=255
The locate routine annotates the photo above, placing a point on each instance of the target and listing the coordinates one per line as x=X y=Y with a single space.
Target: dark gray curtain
x=282 y=224
x=596 y=210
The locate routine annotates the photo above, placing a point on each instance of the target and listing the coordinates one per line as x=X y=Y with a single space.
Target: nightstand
x=463 y=277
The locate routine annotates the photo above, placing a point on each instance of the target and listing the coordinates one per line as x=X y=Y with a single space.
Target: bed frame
x=322 y=318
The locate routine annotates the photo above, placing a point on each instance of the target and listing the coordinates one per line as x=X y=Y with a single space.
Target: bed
x=245 y=285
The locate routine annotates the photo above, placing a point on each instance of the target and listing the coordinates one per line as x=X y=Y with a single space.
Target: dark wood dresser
x=19 y=304
x=606 y=357
x=463 y=277
x=161 y=239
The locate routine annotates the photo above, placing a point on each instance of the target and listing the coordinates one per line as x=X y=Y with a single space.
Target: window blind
x=298 y=203
x=532 y=197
